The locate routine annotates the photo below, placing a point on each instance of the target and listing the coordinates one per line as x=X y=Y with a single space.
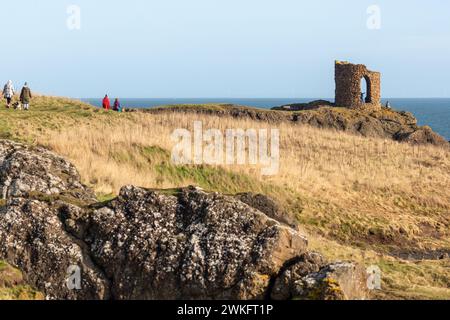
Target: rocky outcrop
x=284 y=287
x=372 y=122
x=34 y=240
x=25 y=171
x=191 y=245
x=311 y=279
x=424 y=135
x=313 y=105
x=35 y=184
x=148 y=244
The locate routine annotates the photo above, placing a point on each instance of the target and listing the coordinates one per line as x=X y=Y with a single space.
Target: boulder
x=424 y=135
x=148 y=245
x=25 y=171
x=285 y=283
x=192 y=245
x=35 y=241
x=336 y=281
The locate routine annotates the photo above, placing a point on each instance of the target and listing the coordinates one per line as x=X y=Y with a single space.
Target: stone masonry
x=348 y=86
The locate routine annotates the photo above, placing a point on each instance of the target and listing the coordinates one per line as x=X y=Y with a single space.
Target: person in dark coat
x=117 y=106
x=25 y=97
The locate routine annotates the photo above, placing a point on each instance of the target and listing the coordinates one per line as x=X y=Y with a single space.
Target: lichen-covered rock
x=337 y=281
x=27 y=170
x=193 y=245
x=284 y=285
x=34 y=240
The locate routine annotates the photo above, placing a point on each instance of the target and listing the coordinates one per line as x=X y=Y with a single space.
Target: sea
x=433 y=112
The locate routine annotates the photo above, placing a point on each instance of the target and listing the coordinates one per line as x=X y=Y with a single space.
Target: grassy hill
x=368 y=199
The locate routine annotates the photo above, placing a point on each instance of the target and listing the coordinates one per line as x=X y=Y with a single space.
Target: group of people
x=24 y=98
x=107 y=104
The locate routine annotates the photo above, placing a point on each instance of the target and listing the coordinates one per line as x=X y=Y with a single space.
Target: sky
x=223 y=48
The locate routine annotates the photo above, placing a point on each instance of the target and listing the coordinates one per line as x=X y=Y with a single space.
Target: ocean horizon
x=433 y=112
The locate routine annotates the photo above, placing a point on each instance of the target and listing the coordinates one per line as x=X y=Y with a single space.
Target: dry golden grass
x=361 y=198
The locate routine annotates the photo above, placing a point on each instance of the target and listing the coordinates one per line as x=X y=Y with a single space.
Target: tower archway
x=366 y=89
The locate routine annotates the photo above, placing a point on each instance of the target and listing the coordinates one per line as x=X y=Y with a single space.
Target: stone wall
x=348 y=86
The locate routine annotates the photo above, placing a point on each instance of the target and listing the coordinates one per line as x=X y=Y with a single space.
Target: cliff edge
x=379 y=123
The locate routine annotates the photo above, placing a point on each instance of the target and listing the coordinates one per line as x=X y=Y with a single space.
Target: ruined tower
x=348 y=86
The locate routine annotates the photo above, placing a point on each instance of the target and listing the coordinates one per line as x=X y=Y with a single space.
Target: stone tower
x=348 y=86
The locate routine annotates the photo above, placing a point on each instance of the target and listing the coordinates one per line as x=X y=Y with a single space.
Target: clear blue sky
x=223 y=48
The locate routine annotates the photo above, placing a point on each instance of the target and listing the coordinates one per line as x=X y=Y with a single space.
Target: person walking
x=106 y=103
x=8 y=93
x=25 y=97
x=117 y=106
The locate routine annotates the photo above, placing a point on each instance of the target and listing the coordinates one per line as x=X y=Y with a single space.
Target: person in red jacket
x=106 y=103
